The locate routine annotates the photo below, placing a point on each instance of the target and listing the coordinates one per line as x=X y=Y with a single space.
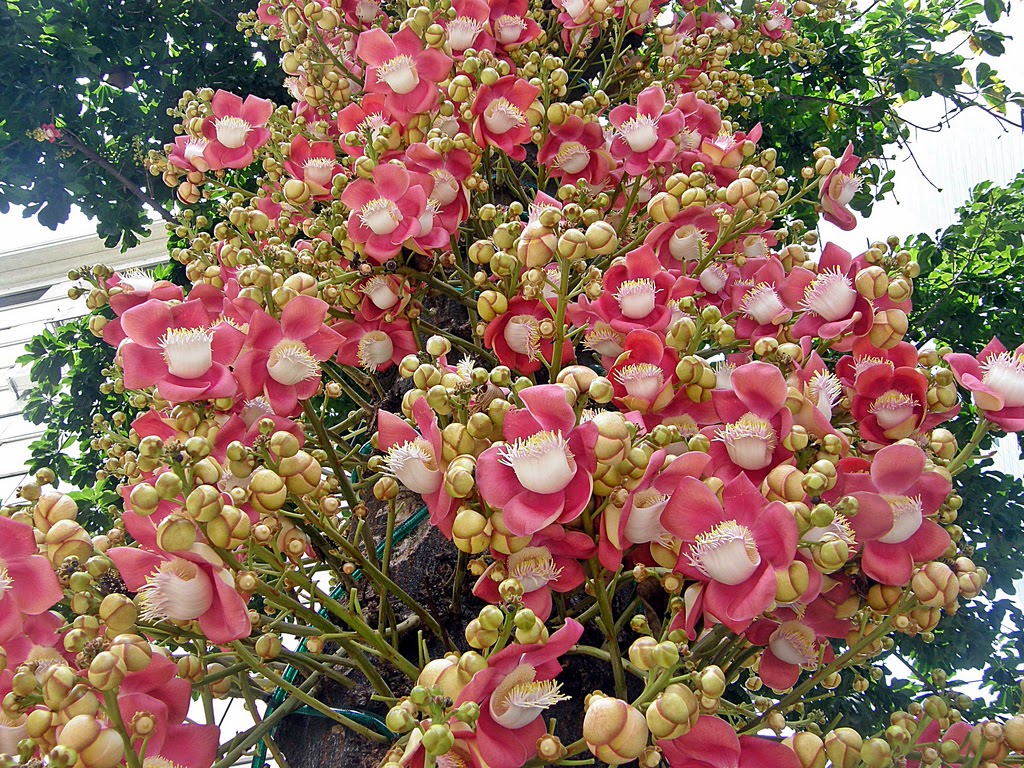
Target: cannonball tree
x=512 y=416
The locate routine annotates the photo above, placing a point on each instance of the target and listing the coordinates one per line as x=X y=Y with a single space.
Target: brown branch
x=75 y=143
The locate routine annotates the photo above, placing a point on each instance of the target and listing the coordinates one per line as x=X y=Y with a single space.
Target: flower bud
x=118 y=612
x=268 y=491
x=479 y=637
x=809 y=749
x=614 y=731
x=712 y=681
x=842 y=746
x=176 y=533
x=105 y=752
x=65 y=539
x=1013 y=733
x=204 y=503
x=876 y=753
x=673 y=713
x=791 y=584
x=230 y=529
x=107 y=671
x=784 y=483
x=445 y=675
x=888 y=329
x=133 y=650
x=935 y=585
x=641 y=653
x=51 y=507
x=79 y=732
x=601 y=238
x=438 y=739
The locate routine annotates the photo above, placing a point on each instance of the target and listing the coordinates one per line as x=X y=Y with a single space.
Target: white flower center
x=604 y=340
x=501 y=116
x=830 y=296
x=838 y=530
x=572 y=157
x=636 y=297
x=774 y=21
x=381 y=292
x=754 y=246
x=762 y=304
x=843 y=187
x=427 y=217
x=232 y=131
x=640 y=132
x=1004 y=373
x=291 y=363
x=687 y=243
x=371 y=125
x=375 y=349
x=399 y=74
x=5 y=578
x=892 y=408
x=367 y=10
x=519 y=698
x=508 y=29
x=188 y=351
x=194 y=147
x=542 y=462
x=414 y=465
x=178 y=590
x=522 y=334
x=750 y=441
x=723 y=375
x=446 y=187
x=533 y=567
x=138 y=280
x=726 y=554
x=861 y=364
x=381 y=215
x=907 y=514
x=642 y=380
x=644 y=523
x=319 y=170
x=794 y=643
x=713 y=278
x=462 y=32
x=254 y=410
x=824 y=390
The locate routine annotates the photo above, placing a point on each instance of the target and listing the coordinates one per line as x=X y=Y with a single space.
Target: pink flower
x=510 y=24
x=182 y=349
x=470 y=28
x=508 y=727
x=996 y=380
x=794 y=641
x=50 y=132
x=776 y=22
x=644 y=374
x=235 y=130
x=543 y=473
x=30 y=586
x=726 y=149
x=639 y=520
x=449 y=172
x=375 y=345
x=734 y=547
x=757 y=299
x=576 y=150
x=129 y=289
x=515 y=337
x=822 y=392
x=896 y=478
x=282 y=359
x=189 y=154
x=189 y=585
x=551 y=563
x=365 y=118
x=402 y=70
x=385 y=211
x=158 y=691
x=755 y=423
x=636 y=295
x=644 y=133
x=499 y=113
x=831 y=304
x=683 y=241
x=712 y=743
x=416 y=460
x=316 y=164
x=891 y=404
x=838 y=188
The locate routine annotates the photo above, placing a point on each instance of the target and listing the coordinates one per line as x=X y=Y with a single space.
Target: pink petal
x=227 y=618
x=302 y=317
x=226 y=104
x=17 y=542
x=761 y=387
x=134 y=565
x=147 y=323
x=761 y=753
x=897 y=467
x=711 y=742
x=35 y=587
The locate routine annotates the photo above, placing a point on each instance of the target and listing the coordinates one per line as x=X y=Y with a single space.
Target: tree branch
x=75 y=143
